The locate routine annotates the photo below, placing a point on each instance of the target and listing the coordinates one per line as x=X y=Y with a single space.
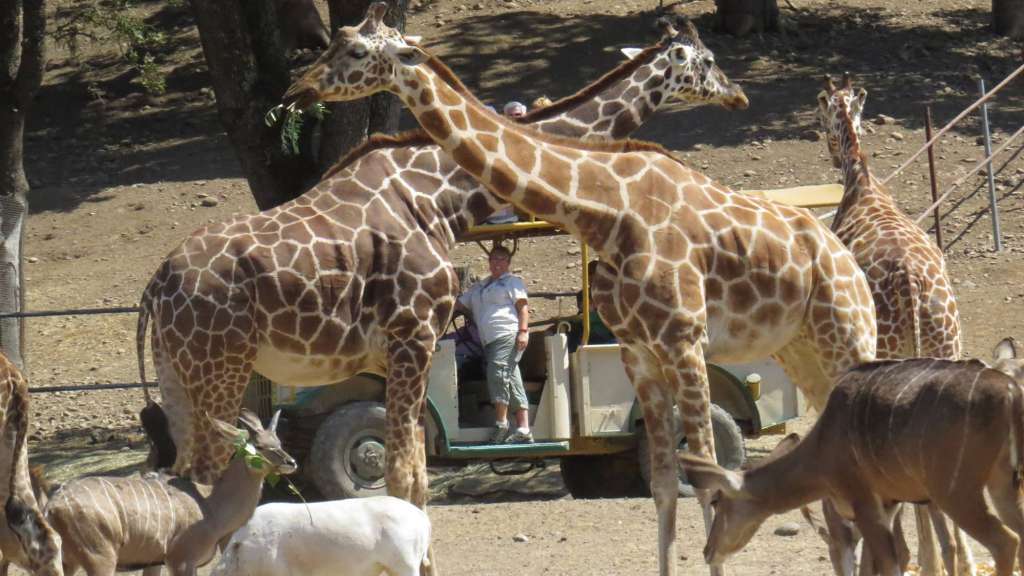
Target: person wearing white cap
x=515 y=109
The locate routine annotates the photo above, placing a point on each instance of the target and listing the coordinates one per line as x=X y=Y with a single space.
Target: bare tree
x=245 y=52
x=22 y=50
x=741 y=17
x=1008 y=18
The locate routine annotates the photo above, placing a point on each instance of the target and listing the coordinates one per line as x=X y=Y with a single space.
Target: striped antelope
x=918 y=430
x=140 y=522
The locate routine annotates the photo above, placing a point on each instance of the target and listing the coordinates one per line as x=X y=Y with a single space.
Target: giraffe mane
x=848 y=125
x=414 y=137
x=587 y=93
x=626 y=145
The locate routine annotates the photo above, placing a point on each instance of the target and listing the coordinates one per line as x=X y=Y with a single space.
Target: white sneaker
x=520 y=437
x=499 y=434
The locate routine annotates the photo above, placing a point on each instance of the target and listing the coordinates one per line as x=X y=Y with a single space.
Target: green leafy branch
x=113 y=21
x=253 y=459
x=291 y=128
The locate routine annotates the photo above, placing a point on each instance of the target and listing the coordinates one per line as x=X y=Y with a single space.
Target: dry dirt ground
x=119 y=178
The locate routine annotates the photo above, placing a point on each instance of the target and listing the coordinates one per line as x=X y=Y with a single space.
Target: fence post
x=931 y=174
x=991 y=177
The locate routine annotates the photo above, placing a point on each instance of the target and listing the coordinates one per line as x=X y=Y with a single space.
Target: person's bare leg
x=522 y=418
x=500 y=412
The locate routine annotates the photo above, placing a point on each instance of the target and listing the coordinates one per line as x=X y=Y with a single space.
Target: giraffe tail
x=140 y=345
x=914 y=310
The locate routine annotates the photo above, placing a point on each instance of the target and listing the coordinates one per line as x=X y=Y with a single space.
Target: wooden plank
x=813 y=196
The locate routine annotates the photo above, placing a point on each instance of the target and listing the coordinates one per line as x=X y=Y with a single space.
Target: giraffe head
x=691 y=73
x=834 y=106
x=360 y=62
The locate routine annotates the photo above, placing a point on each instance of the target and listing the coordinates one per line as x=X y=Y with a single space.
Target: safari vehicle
x=583 y=409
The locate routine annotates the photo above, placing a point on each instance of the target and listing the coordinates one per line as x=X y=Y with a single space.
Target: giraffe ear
x=631 y=53
x=858 y=101
x=413 y=39
x=411 y=55
x=823 y=100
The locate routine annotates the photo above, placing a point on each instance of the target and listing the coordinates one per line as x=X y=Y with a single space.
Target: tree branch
x=30 y=72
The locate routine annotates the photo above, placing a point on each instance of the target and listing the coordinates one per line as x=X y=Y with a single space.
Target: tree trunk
x=741 y=17
x=22 y=46
x=1008 y=18
x=349 y=123
x=244 y=52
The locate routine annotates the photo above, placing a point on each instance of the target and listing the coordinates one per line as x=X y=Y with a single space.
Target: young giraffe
x=688 y=268
x=309 y=294
x=40 y=544
x=914 y=304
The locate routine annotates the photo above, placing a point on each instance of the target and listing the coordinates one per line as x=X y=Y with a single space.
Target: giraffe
x=915 y=310
x=355 y=275
x=39 y=542
x=689 y=269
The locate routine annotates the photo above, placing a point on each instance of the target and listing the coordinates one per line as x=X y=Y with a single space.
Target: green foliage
x=256 y=461
x=291 y=128
x=105 y=21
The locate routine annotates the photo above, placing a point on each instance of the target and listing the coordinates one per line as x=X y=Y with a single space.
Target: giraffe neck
x=858 y=186
x=615 y=105
x=503 y=155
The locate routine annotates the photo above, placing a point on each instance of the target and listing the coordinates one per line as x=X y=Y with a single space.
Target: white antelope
x=357 y=537
x=919 y=430
x=142 y=522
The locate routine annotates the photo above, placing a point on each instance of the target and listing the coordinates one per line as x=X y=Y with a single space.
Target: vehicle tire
x=347 y=458
x=602 y=476
x=729 y=448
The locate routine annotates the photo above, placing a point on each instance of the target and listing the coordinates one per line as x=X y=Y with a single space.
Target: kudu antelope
x=918 y=430
x=114 y=523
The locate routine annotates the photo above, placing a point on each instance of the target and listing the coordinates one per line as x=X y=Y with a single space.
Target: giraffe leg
x=927 y=554
x=659 y=423
x=176 y=405
x=221 y=397
x=406 y=461
x=688 y=380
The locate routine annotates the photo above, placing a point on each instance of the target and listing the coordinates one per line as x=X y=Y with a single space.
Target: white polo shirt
x=493 y=303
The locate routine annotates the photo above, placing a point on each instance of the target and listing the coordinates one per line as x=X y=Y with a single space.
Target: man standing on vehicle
x=500 y=311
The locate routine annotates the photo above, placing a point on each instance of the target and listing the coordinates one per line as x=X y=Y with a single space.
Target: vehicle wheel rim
x=366 y=459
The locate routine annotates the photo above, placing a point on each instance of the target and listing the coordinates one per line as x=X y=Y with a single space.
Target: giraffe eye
x=358 y=52
x=709 y=61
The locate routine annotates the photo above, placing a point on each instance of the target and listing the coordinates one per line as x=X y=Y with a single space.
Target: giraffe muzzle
x=300 y=96
x=737 y=101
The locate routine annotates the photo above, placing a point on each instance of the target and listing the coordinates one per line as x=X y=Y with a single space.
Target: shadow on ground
x=86 y=136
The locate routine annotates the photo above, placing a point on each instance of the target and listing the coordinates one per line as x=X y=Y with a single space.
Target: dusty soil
x=120 y=177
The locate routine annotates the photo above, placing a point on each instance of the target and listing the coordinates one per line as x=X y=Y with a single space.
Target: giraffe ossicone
x=688 y=268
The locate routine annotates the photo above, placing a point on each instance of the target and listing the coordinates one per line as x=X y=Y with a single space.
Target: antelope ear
x=226 y=430
x=706 y=475
x=411 y=55
x=631 y=53
x=1006 y=350
x=250 y=420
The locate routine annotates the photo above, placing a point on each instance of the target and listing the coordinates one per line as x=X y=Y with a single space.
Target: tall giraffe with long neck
x=915 y=310
x=355 y=275
x=688 y=268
